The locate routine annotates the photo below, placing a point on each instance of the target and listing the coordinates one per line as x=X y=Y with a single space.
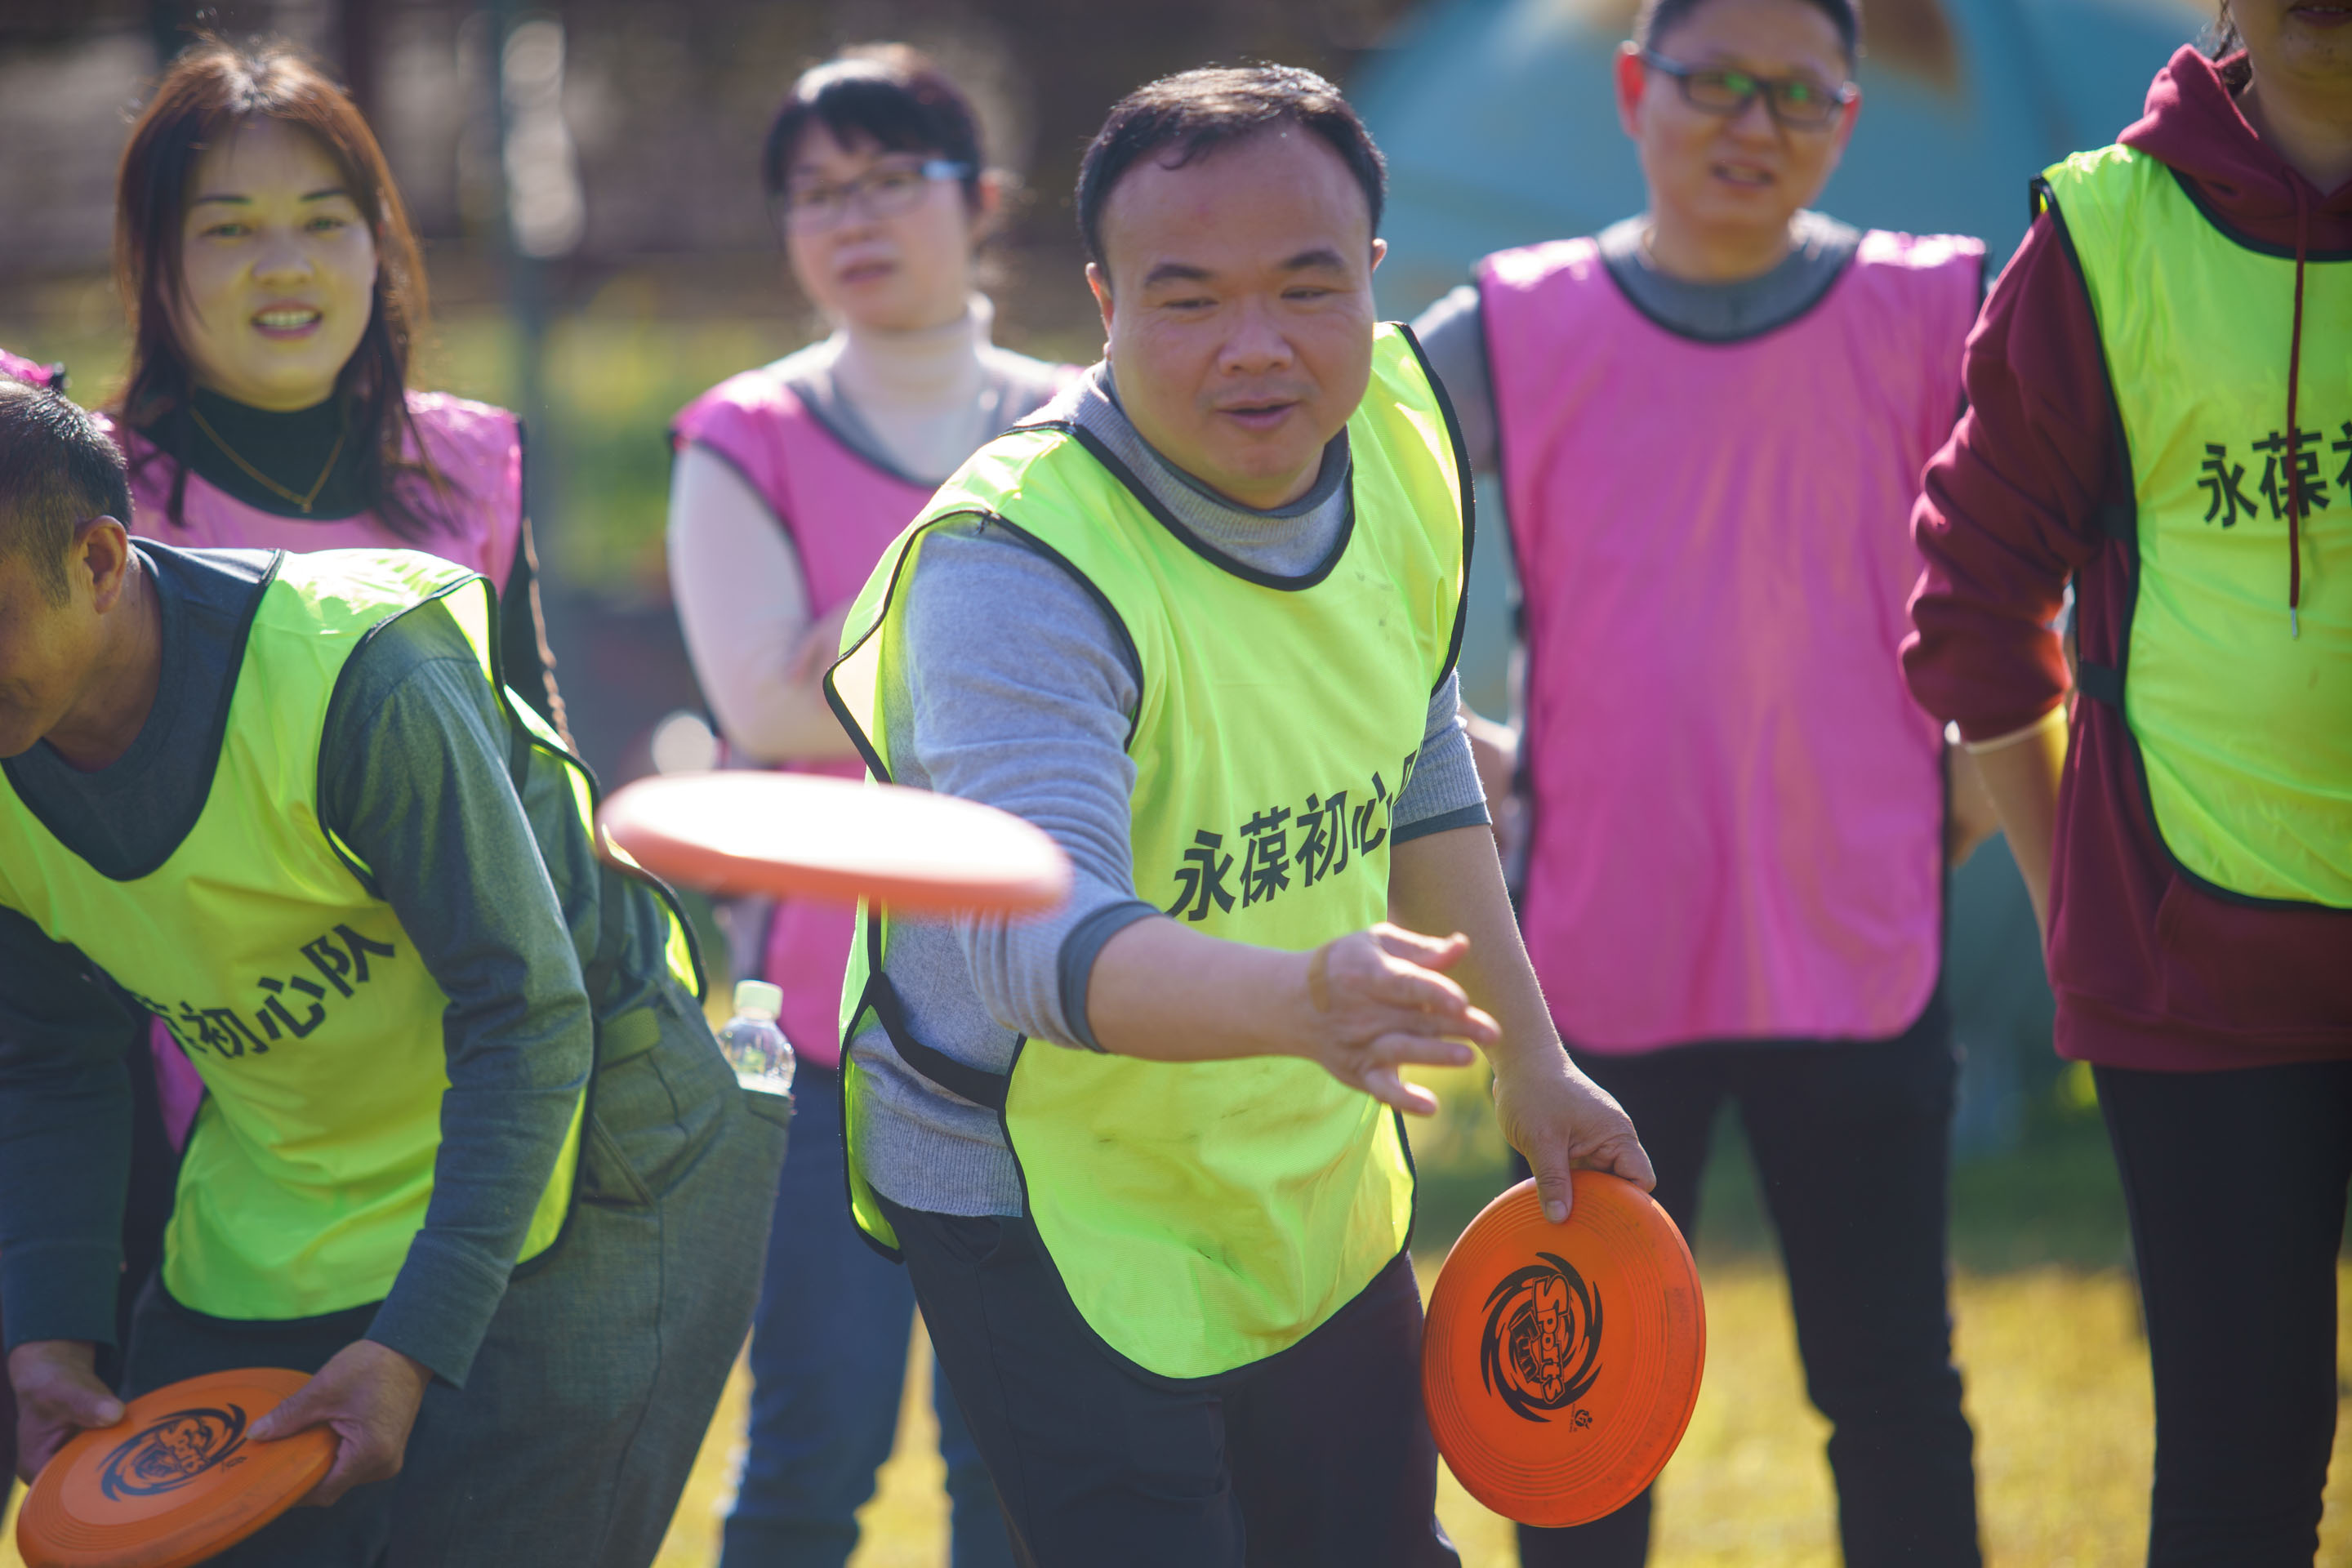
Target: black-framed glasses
x=883 y=190
x=1798 y=102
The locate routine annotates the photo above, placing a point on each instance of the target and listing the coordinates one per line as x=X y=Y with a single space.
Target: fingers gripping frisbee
x=1560 y=1362
x=178 y=1480
x=802 y=834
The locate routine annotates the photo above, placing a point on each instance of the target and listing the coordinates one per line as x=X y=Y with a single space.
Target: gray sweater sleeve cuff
x=1468 y=816
x=441 y=1306
x=1445 y=791
x=60 y=1291
x=1080 y=948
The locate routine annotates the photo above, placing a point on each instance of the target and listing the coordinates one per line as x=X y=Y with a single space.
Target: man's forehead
x=1278 y=196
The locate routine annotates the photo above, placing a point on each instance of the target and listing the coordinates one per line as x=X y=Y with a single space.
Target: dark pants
x=2235 y=1185
x=828 y=1368
x=1316 y=1458
x=589 y=1399
x=1853 y=1147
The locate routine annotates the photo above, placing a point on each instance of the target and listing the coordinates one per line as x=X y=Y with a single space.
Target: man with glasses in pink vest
x=1710 y=421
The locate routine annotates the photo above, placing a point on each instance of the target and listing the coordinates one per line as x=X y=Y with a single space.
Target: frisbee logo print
x=1541 y=1350
x=174 y=1451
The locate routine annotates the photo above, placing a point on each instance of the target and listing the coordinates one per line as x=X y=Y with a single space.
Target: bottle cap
x=759 y=999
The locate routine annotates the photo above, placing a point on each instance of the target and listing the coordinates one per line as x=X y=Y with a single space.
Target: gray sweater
x=1019 y=693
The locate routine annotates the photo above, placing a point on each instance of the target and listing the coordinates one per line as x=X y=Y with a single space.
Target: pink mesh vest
x=477 y=448
x=840 y=512
x=1737 y=809
x=16 y=367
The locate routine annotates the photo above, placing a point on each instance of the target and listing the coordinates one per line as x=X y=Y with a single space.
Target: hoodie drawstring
x=2294 y=435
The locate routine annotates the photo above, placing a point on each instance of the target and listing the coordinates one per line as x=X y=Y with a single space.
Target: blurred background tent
x=1500 y=123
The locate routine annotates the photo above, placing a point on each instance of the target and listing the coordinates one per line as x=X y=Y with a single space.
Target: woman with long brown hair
x=276 y=294
x=479 y=1168
x=791 y=479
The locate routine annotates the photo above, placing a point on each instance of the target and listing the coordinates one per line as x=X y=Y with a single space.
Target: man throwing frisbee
x=1198 y=620
x=468 y=1152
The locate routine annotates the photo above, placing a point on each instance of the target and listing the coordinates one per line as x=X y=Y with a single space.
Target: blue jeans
x=828 y=1367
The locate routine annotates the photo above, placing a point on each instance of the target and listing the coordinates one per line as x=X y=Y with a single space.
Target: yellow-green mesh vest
x=2242 y=723
x=295 y=992
x=1203 y=1217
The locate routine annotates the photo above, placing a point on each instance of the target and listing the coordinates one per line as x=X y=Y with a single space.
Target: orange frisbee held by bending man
x=178 y=1480
x=1560 y=1362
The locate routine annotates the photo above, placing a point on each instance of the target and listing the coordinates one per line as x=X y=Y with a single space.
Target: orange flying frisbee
x=177 y=1480
x=809 y=836
x=1561 y=1362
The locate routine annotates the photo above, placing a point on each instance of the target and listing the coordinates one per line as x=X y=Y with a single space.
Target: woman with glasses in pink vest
x=1710 y=420
x=790 y=480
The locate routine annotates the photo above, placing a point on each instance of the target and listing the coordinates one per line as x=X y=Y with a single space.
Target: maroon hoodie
x=2149 y=970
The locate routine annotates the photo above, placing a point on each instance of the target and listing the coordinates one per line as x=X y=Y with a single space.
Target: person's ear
x=1099 y=282
x=1379 y=253
x=101 y=553
x=1632 y=81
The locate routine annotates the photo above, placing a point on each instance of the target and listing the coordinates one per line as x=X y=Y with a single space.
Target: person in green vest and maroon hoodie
x=2160 y=413
x=468 y=1153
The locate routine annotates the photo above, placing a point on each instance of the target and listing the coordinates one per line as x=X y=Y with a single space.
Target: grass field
x=2057 y=1390
x=2048 y=1335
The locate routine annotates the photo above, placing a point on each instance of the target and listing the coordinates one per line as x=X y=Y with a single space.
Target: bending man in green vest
x=1198 y=620
x=468 y=1153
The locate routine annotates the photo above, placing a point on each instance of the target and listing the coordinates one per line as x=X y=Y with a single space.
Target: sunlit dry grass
x=2058 y=1391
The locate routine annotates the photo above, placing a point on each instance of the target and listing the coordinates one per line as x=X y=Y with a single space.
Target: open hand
x=1561 y=1120
x=1378 y=999
x=58 y=1394
x=368 y=1395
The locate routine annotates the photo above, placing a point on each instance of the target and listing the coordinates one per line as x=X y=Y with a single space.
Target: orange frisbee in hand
x=177 y=1480
x=809 y=836
x=1560 y=1362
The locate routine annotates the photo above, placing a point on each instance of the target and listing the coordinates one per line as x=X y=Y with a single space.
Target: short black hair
x=1656 y=18
x=1198 y=112
x=894 y=96
x=57 y=470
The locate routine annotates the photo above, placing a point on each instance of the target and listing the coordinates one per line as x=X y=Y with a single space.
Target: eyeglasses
x=883 y=190
x=1797 y=102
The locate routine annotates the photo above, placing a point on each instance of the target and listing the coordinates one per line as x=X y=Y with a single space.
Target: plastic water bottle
x=755 y=1046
